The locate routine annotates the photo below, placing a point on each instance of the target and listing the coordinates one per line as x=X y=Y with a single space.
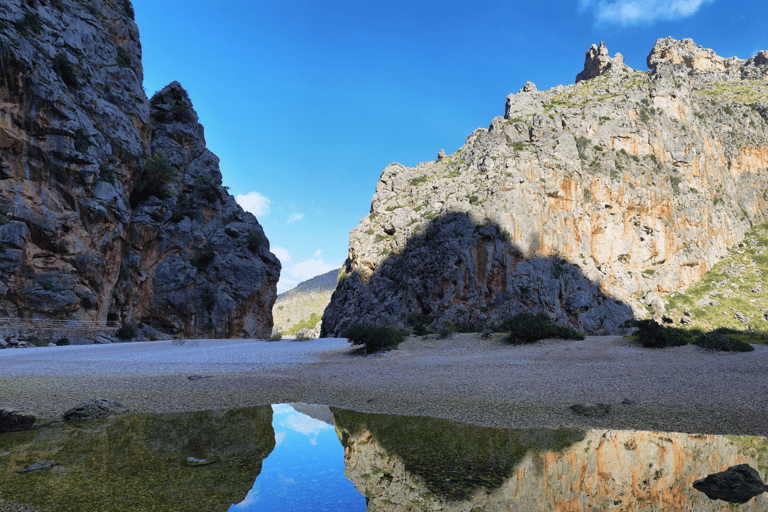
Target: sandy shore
x=465 y=378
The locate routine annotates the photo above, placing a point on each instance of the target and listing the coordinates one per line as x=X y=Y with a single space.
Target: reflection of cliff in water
x=415 y=463
x=203 y=461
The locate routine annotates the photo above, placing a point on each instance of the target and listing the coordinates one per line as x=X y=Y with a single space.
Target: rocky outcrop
x=76 y=144
x=197 y=263
x=403 y=463
x=586 y=202
x=597 y=62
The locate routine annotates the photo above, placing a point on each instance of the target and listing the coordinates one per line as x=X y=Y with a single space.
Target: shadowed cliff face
x=643 y=180
x=82 y=233
x=185 y=461
x=469 y=273
x=408 y=463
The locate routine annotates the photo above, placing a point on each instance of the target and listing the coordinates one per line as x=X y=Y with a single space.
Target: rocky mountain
x=585 y=201
x=111 y=206
x=301 y=308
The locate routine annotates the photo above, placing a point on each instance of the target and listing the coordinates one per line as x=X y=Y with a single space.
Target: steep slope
x=75 y=144
x=301 y=308
x=584 y=201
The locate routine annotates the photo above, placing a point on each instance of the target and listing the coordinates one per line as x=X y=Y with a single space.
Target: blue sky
x=306 y=101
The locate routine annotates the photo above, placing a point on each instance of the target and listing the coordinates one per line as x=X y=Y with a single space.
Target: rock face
x=597 y=62
x=586 y=202
x=76 y=143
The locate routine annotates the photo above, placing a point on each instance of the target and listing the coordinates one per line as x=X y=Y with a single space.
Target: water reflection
x=306 y=469
x=404 y=463
x=187 y=461
x=296 y=457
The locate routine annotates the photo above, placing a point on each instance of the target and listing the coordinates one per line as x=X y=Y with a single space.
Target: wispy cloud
x=636 y=12
x=295 y=218
x=282 y=254
x=254 y=202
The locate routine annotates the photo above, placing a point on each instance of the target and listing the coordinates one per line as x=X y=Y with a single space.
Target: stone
x=741 y=317
x=94 y=408
x=529 y=87
x=12 y=420
x=737 y=484
x=591 y=410
x=441 y=154
x=37 y=466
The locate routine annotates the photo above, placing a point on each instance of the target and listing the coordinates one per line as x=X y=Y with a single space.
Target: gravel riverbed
x=464 y=378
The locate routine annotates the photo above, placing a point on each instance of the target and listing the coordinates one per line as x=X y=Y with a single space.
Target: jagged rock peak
x=686 y=52
x=171 y=104
x=597 y=62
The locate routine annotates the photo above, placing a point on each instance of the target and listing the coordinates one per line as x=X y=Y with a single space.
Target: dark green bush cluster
x=123 y=58
x=66 y=70
x=719 y=339
x=255 y=240
x=529 y=327
x=376 y=338
x=82 y=140
x=419 y=324
x=445 y=329
x=183 y=208
x=62 y=342
x=205 y=186
x=231 y=232
x=29 y=23
x=652 y=335
x=156 y=179
x=204 y=259
x=128 y=8
x=125 y=332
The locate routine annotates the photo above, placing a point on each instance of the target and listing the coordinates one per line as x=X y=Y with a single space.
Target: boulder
x=94 y=408
x=12 y=420
x=737 y=484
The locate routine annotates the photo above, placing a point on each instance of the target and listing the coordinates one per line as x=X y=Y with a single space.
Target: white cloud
x=295 y=218
x=311 y=268
x=282 y=254
x=635 y=12
x=318 y=254
x=254 y=202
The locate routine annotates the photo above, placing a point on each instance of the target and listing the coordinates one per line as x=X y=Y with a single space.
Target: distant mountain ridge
x=301 y=308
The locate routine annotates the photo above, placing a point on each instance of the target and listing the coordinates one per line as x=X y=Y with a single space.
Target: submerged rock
x=94 y=408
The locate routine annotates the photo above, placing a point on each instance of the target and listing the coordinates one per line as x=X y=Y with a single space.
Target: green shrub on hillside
x=446 y=329
x=652 y=335
x=376 y=338
x=529 y=327
x=719 y=339
x=419 y=324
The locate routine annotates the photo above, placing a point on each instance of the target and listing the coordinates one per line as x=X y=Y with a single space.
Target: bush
x=29 y=23
x=66 y=71
x=123 y=58
x=255 y=240
x=719 y=340
x=61 y=342
x=446 y=329
x=529 y=327
x=276 y=336
x=376 y=338
x=125 y=332
x=652 y=335
x=156 y=180
x=419 y=324
x=302 y=335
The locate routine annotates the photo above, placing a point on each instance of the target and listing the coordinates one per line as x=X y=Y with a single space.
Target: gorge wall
x=584 y=201
x=110 y=205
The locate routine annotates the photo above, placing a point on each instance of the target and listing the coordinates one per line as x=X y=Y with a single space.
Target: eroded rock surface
x=80 y=236
x=586 y=202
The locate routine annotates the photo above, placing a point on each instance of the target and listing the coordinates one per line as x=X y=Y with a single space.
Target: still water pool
x=303 y=457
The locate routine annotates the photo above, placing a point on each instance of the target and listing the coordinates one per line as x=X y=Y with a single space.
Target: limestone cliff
x=83 y=235
x=585 y=201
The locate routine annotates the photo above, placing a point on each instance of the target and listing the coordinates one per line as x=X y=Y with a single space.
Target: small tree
x=529 y=327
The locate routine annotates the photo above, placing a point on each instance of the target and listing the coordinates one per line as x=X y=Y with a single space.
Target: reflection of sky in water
x=305 y=471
